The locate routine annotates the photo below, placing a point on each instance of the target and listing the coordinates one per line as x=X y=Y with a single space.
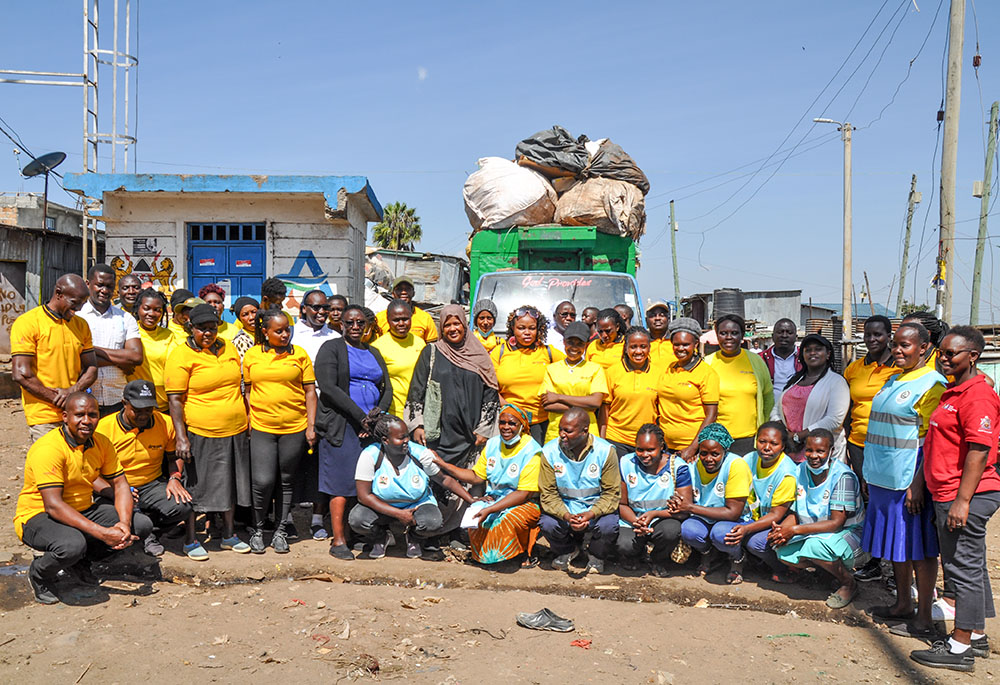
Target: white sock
x=956 y=647
x=978 y=636
x=317 y=520
x=288 y=519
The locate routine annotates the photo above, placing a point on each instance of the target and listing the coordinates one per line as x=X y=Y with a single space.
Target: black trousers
x=155 y=505
x=274 y=459
x=372 y=526
x=666 y=533
x=64 y=546
x=743 y=446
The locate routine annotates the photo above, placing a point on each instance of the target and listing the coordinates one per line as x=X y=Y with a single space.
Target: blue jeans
x=702 y=535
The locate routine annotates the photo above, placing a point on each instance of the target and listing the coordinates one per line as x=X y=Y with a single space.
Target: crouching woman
x=824 y=528
x=393 y=480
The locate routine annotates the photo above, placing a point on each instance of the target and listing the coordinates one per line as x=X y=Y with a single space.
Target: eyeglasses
x=359 y=323
x=527 y=311
x=951 y=354
x=319 y=307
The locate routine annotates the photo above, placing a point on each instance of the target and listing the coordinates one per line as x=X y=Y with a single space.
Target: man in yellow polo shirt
x=55 y=511
x=52 y=355
x=400 y=350
x=143 y=438
x=423 y=325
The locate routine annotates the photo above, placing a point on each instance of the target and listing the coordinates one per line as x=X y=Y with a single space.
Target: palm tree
x=399 y=228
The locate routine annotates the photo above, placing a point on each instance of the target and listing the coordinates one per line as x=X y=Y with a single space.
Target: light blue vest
x=648 y=491
x=712 y=494
x=408 y=489
x=812 y=502
x=893 y=439
x=504 y=473
x=578 y=482
x=762 y=489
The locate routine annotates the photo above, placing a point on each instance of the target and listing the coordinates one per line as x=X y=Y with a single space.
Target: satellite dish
x=43 y=164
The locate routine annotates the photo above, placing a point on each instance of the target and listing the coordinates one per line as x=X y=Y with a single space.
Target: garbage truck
x=544 y=265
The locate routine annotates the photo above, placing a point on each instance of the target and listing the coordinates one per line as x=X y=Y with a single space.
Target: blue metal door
x=230 y=254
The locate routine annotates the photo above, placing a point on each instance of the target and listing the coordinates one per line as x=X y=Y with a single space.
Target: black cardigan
x=333 y=376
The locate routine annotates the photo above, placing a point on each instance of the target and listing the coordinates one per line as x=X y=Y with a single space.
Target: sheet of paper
x=474 y=508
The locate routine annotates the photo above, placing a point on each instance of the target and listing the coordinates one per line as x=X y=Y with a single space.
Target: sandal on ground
x=709 y=560
x=195 y=551
x=529 y=562
x=836 y=601
x=735 y=575
x=884 y=613
x=784 y=578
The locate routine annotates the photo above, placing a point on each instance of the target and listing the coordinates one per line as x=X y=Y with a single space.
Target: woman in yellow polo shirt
x=746 y=396
x=631 y=400
x=521 y=363
x=607 y=349
x=279 y=385
x=157 y=342
x=484 y=317
x=210 y=419
x=214 y=295
x=573 y=382
x=687 y=392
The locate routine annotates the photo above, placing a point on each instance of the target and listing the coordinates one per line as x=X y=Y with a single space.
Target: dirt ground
x=251 y=618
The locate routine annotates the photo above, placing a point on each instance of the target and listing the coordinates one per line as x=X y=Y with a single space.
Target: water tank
x=728 y=301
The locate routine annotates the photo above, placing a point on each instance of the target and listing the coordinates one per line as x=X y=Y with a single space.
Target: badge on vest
x=416 y=480
x=665 y=479
x=826 y=495
x=383 y=481
x=491 y=462
x=902 y=397
x=800 y=492
x=592 y=469
x=720 y=488
x=632 y=479
x=512 y=470
x=559 y=469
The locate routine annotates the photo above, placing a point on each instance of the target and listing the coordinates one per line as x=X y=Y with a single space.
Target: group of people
x=607 y=438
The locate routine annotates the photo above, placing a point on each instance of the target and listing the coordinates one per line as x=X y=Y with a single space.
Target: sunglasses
x=319 y=307
x=527 y=311
x=359 y=323
x=951 y=354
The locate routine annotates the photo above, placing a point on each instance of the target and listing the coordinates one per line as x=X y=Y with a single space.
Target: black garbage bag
x=611 y=161
x=553 y=152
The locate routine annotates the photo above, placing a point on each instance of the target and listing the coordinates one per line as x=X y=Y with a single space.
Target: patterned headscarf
x=718 y=433
x=520 y=415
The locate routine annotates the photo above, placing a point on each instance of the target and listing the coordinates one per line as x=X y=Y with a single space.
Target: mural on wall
x=12 y=305
x=304 y=275
x=146 y=262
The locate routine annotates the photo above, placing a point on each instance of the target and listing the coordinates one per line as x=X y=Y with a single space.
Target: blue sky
x=412 y=94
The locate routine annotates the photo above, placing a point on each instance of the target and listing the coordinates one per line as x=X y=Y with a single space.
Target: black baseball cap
x=578 y=330
x=179 y=296
x=140 y=394
x=203 y=313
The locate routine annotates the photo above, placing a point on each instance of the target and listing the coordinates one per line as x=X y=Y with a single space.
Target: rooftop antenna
x=43 y=165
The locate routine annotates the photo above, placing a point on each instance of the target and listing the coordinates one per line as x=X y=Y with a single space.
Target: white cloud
x=421 y=73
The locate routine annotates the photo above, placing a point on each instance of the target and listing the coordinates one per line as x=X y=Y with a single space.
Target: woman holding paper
x=505 y=522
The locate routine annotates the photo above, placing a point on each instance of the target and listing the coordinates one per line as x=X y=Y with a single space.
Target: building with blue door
x=190 y=230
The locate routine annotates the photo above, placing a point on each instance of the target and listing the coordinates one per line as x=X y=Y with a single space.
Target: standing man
x=400 y=350
x=563 y=315
x=129 y=287
x=52 y=355
x=337 y=305
x=422 y=324
x=116 y=339
x=310 y=333
x=56 y=513
x=580 y=489
x=782 y=358
x=661 y=350
x=143 y=439
x=589 y=317
x=625 y=312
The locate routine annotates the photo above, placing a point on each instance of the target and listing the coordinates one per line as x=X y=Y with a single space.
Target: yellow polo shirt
x=681 y=396
x=520 y=373
x=738 y=483
x=228 y=331
x=176 y=330
x=864 y=380
x=605 y=355
x=490 y=341
x=631 y=401
x=400 y=355
x=214 y=407
x=140 y=450
x=585 y=378
x=277 y=396
x=737 y=393
x=53 y=463
x=661 y=354
x=156 y=345
x=422 y=324
x=56 y=345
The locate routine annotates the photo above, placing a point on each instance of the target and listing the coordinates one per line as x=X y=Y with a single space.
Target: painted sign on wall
x=304 y=275
x=146 y=260
x=11 y=306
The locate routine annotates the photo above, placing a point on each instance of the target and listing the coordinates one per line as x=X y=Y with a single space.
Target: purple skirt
x=892 y=533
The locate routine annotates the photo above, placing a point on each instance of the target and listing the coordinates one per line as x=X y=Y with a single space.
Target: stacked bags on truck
x=557 y=178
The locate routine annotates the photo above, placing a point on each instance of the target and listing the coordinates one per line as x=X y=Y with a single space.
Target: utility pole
x=911 y=204
x=673 y=251
x=949 y=161
x=848 y=332
x=977 y=273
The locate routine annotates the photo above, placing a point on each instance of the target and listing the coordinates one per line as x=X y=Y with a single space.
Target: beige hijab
x=468 y=354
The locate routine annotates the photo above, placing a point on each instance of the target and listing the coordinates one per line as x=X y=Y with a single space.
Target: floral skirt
x=506 y=534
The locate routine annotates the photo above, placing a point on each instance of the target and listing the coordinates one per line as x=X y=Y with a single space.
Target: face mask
x=818 y=471
x=513 y=441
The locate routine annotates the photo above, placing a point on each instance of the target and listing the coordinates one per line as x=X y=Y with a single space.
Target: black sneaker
x=869 y=572
x=941 y=656
x=84 y=575
x=291 y=532
x=257 y=545
x=41 y=587
x=279 y=541
x=152 y=546
x=981 y=647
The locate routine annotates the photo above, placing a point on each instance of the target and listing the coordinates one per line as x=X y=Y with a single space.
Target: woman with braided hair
x=607 y=350
x=157 y=342
x=393 y=481
x=631 y=398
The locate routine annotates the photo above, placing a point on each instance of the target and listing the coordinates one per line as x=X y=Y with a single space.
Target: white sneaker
x=942 y=611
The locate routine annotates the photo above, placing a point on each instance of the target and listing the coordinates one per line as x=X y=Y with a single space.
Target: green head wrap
x=718 y=433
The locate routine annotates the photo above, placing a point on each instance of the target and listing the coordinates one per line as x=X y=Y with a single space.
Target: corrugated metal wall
x=47 y=257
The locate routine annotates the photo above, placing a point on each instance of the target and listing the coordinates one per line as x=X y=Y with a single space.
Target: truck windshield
x=546 y=289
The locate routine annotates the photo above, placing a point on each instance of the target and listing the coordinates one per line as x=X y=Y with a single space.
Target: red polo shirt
x=967 y=413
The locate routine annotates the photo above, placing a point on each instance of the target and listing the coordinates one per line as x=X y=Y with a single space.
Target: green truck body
x=549 y=248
